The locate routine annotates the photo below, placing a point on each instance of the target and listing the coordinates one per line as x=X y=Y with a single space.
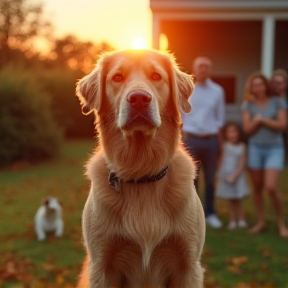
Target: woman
x=264 y=120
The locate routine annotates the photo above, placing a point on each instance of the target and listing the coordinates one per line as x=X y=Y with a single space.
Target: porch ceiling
x=219 y=4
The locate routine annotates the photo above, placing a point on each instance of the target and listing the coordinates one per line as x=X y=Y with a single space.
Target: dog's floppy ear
x=185 y=86
x=89 y=89
x=181 y=85
x=45 y=201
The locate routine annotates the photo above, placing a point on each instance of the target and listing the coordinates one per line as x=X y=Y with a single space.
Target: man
x=279 y=84
x=201 y=130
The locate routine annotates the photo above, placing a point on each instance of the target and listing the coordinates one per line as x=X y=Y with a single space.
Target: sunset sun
x=139 y=43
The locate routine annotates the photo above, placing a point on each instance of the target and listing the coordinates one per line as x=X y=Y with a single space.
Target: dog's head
x=137 y=88
x=52 y=204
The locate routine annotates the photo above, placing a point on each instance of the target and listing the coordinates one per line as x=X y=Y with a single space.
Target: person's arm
x=221 y=154
x=278 y=124
x=241 y=167
x=220 y=116
x=250 y=126
x=220 y=110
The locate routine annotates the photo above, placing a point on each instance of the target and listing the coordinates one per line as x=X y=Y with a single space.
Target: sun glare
x=139 y=43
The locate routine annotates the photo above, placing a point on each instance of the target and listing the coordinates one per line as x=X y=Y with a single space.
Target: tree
x=76 y=54
x=28 y=130
x=20 y=23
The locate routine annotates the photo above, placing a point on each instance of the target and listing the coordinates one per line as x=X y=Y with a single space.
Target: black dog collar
x=116 y=182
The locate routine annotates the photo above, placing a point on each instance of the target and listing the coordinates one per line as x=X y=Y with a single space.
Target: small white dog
x=48 y=219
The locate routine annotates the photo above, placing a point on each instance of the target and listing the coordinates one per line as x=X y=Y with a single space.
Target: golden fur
x=149 y=234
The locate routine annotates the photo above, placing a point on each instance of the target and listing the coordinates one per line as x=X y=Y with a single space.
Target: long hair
x=248 y=95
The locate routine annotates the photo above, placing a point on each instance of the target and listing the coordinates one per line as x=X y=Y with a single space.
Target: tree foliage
x=21 y=22
x=60 y=84
x=28 y=130
x=76 y=54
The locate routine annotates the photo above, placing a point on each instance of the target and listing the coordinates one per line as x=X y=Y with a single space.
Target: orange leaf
x=234 y=269
x=267 y=252
x=59 y=279
x=238 y=260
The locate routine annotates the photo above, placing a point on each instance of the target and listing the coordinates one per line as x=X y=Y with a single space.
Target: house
x=240 y=36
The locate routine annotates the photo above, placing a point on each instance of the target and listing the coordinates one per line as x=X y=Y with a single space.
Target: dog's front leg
x=40 y=232
x=41 y=235
x=191 y=279
x=93 y=276
x=59 y=228
x=97 y=274
x=99 y=278
x=93 y=269
x=100 y=274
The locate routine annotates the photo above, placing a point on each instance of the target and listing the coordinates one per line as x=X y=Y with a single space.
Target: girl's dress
x=230 y=161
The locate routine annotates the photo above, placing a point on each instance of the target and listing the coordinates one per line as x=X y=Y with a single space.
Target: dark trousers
x=205 y=152
x=285 y=137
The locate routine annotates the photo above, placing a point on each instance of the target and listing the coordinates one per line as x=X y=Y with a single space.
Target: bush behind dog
x=60 y=83
x=28 y=130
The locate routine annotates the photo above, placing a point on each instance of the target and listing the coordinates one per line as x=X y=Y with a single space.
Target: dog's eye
x=117 y=77
x=156 y=76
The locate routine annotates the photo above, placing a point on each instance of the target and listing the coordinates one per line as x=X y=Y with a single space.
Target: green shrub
x=61 y=85
x=27 y=128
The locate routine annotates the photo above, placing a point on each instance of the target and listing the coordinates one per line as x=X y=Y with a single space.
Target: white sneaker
x=242 y=224
x=213 y=221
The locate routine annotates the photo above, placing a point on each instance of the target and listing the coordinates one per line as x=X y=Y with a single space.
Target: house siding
x=232 y=46
x=230 y=32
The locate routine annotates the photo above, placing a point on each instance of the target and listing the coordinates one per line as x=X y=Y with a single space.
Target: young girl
x=232 y=183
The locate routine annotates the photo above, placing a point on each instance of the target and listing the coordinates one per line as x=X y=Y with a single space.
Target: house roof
x=219 y=4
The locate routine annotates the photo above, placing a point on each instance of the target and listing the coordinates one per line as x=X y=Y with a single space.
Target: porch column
x=156 y=32
x=268 y=39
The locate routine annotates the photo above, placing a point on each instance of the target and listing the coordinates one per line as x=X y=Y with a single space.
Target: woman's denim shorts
x=266 y=156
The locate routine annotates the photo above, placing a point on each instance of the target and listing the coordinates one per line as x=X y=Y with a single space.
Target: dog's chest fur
x=147 y=212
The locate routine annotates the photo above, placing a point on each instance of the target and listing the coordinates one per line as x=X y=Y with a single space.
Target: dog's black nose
x=139 y=99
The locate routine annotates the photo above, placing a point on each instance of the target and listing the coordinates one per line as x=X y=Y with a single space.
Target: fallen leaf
x=242 y=285
x=59 y=279
x=267 y=252
x=264 y=267
x=238 y=260
x=48 y=266
x=234 y=269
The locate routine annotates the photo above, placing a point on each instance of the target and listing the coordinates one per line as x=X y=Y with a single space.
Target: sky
x=117 y=22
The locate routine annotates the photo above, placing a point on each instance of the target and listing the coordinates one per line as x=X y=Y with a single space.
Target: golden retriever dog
x=143 y=223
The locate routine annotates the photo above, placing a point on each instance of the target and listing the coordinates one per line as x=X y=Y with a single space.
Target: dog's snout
x=139 y=99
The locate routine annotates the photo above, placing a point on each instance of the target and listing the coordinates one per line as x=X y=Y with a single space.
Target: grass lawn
x=231 y=259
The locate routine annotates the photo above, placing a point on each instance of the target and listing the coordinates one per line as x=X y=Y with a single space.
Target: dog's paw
x=41 y=237
x=59 y=234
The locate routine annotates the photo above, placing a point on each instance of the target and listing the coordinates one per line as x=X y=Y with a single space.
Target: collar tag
x=114 y=181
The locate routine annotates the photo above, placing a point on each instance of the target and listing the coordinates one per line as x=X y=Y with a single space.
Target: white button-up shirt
x=208 y=109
